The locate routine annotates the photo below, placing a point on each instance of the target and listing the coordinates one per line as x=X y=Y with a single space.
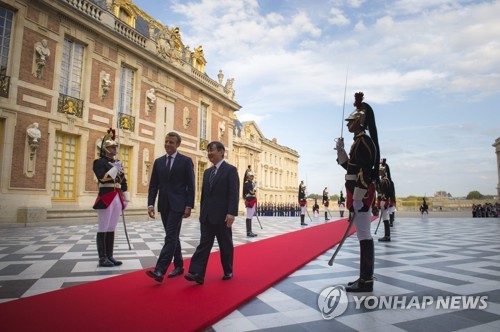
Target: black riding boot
x=391 y=219
x=249 y=228
x=101 y=250
x=110 y=242
x=341 y=214
x=302 y=217
x=387 y=236
x=326 y=216
x=366 y=266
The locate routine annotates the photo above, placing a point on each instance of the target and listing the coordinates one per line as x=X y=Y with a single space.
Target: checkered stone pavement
x=427 y=257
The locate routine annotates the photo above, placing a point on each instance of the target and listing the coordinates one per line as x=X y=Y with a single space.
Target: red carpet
x=134 y=302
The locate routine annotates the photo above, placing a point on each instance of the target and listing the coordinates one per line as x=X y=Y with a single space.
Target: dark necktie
x=212 y=175
x=169 y=164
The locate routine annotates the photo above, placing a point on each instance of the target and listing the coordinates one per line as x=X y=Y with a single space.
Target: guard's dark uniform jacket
x=386 y=191
x=326 y=200
x=108 y=187
x=360 y=169
x=249 y=194
x=302 y=196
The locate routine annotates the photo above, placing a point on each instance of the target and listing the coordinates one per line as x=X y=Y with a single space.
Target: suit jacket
x=175 y=190
x=223 y=197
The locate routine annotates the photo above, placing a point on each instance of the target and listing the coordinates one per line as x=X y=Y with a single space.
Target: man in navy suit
x=173 y=179
x=218 y=207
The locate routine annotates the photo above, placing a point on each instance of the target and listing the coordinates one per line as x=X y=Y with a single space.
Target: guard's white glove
x=119 y=166
x=342 y=156
x=357 y=205
x=339 y=143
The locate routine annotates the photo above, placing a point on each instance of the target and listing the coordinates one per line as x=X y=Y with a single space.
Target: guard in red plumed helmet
x=111 y=199
x=362 y=166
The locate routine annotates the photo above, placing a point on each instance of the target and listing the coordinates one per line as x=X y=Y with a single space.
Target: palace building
x=72 y=69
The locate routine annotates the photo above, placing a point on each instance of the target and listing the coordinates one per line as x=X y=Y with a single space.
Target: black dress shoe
x=227 y=276
x=176 y=272
x=155 y=275
x=194 y=277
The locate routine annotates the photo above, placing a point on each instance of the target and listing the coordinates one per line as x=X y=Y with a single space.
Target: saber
x=255 y=214
x=351 y=222
x=379 y=220
x=123 y=210
x=343 y=107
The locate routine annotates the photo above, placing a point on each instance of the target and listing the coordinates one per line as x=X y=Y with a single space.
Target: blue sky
x=430 y=69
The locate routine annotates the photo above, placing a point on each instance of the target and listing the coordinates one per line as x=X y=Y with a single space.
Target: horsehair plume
x=112 y=132
x=358 y=99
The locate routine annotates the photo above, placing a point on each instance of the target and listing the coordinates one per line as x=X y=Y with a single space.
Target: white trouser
x=303 y=209
x=362 y=221
x=107 y=219
x=251 y=212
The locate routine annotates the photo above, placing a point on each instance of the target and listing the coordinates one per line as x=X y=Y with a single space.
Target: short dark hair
x=174 y=134
x=218 y=145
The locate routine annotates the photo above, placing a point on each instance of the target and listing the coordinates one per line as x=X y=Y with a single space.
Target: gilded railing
x=70 y=105
x=203 y=144
x=126 y=121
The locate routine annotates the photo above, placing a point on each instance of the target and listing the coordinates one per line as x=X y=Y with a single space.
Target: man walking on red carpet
x=362 y=173
x=173 y=178
x=218 y=207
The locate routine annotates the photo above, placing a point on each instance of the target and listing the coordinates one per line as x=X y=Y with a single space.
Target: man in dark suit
x=173 y=178
x=218 y=207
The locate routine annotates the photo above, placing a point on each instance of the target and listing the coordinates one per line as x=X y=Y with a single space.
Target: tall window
x=71 y=68
x=6 y=17
x=126 y=91
x=203 y=121
x=64 y=170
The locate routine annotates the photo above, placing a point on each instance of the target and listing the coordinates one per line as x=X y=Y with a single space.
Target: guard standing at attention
x=326 y=202
x=362 y=175
x=112 y=198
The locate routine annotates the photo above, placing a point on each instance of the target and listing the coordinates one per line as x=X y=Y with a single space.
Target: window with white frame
x=70 y=82
x=126 y=90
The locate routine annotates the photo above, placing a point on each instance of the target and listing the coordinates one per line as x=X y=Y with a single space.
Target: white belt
x=110 y=185
x=350 y=177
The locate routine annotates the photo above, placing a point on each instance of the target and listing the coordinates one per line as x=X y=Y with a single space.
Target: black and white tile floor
x=428 y=257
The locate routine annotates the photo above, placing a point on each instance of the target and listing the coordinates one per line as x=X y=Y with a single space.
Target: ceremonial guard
x=249 y=194
x=302 y=203
x=326 y=202
x=315 y=208
x=341 y=203
x=362 y=174
x=392 y=206
x=386 y=193
x=113 y=197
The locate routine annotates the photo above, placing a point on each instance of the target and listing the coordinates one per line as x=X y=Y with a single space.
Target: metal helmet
x=108 y=141
x=359 y=114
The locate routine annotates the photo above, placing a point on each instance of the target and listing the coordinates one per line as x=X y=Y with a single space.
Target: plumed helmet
x=107 y=141
x=359 y=114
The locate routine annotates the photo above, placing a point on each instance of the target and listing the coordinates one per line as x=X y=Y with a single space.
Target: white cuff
x=113 y=172
x=359 y=194
x=126 y=196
